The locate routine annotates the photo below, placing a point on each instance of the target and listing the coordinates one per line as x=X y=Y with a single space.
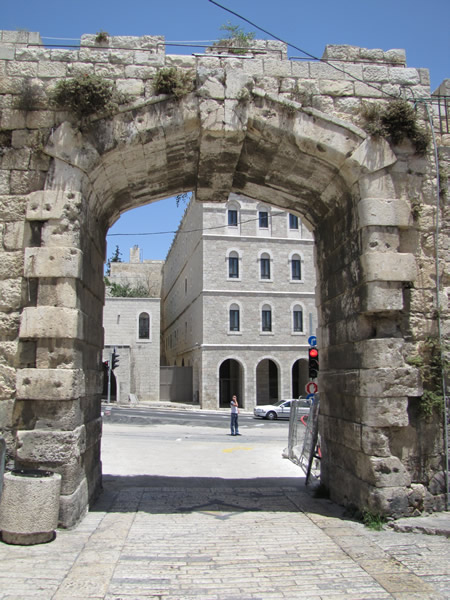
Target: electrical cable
x=302 y=51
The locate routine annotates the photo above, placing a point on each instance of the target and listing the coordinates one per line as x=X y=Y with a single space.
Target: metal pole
x=109 y=379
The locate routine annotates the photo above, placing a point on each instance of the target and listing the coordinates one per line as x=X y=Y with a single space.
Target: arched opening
x=267 y=382
x=230 y=382
x=299 y=377
x=304 y=161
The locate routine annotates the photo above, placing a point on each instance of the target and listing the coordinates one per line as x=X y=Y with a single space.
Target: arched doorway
x=230 y=382
x=299 y=377
x=229 y=136
x=267 y=382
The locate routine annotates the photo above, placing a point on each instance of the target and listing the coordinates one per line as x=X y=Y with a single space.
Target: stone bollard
x=29 y=506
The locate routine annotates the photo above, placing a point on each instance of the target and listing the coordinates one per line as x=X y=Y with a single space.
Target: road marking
x=235 y=448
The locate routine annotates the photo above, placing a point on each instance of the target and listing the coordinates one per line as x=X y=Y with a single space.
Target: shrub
x=85 y=95
x=30 y=96
x=236 y=41
x=174 y=82
x=396 y=120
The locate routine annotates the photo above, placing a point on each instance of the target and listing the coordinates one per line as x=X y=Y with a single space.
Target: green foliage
x=236 y=40
x=431 y=364
x=173 y=81
x=373 y=521
x=395 y=120
x=116 y=257
x=86 y=94
x=29 y=97
x=117 y=290
x=101 y=36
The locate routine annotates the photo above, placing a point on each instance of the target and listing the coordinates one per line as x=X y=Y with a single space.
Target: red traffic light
x=313 y=353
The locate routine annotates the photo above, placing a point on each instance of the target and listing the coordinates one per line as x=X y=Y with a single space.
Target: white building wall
x=138 y=370
x=204 y=261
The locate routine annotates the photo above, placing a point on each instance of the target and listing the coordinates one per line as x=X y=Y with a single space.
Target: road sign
x=311 y=387
x=312 y=340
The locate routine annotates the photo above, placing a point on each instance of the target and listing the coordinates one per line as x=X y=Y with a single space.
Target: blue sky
x=421 y=28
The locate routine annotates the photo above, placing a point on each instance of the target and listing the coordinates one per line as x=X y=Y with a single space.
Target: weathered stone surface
x=50 y=204
x=374 y=211
x=51 y=322
x=50 y=384
x=10 y=294
x=385 y=412
x=53 y=262
x=57 y=447
x=384 y=266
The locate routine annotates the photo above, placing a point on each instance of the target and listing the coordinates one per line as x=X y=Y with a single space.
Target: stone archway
x=233 y=135
x=267 y=382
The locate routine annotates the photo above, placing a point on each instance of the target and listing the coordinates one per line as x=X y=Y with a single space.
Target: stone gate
x=284 y=132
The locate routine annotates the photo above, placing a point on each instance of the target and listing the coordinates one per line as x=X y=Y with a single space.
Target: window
x=297 y=319
x=233 y=266
x=266 y=318
x=144 y=326
x=234 y=318
x=232 y=217
x=263 y=219
x=296 y=268
x=293 y=221
x=264 y=263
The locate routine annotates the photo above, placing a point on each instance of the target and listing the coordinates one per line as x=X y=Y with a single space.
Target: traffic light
x=313 y=362
x=114 y=359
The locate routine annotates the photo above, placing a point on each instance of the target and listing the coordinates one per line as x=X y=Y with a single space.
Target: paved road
x=191 y=513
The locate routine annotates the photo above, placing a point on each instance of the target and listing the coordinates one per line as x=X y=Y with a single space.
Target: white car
x=280 y=409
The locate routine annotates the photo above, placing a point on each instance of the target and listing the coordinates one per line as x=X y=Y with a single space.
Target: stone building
x=238 y=301
x=132 y=328
x=290 y=133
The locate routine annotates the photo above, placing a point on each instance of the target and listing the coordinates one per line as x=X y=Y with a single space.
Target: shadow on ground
x=167 y=495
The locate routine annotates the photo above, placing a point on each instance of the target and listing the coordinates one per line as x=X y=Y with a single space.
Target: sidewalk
x=173 y=537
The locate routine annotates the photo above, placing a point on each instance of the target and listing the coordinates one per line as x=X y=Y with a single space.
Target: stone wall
x=283 y=132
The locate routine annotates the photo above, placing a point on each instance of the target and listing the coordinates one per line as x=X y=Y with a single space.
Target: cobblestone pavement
x=174 y=539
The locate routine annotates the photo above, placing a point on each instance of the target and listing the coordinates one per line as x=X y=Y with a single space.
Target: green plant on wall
x=86 y=95
x=396 y=121
x=430 y=362
x=174 y=82
x=101 y=36
x=30 y=96
x=236 y=40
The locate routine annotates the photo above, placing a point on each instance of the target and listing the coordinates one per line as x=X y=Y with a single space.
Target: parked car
x=280 y=409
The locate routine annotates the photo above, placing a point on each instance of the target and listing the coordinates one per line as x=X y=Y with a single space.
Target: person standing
x=234 y=416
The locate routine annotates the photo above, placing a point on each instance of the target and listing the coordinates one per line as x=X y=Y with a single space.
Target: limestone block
x=141 y=57
x=375 y=73
x=120 y=57
x=51 y=322
x=363 y=90
x=112 y=71
x=385 y=266
x=385 y=412
x=7 y=53
x=63 y=293
x=50 y=384
x=380 y=239
x=346 y=433
x=4 y=184
x=16 y=158
x=370 y=156
x=51 y=204
x=6 y=414
x=37 y=119
x=53 y=262
x=21 y=69
x=132 y=87
x=72 y=147
x=7 y=385
x=275 y=68
x=51 y=69
x=72 y=507
x=374 y=352
x=9 y=325
x=375 y=441
x=389 y=500
x=10 y=294
x=406 y=76
x=336 y=88
x=11 y=264
x=381 y=296
x=13 y=235
x=320 y=70
x=389 y=382
x=55 y=447
x=382 y=471
x=395 y=56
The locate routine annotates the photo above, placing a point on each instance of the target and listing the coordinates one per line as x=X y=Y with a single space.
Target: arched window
x=264 y=266
x=266 y=318
x=297 y=319
x=296 y=268
x=144 y=326
x=233 y=265
x=235 y=321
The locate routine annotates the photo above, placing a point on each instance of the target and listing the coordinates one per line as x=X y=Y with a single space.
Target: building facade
x=238 y=302
x=132 y=328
